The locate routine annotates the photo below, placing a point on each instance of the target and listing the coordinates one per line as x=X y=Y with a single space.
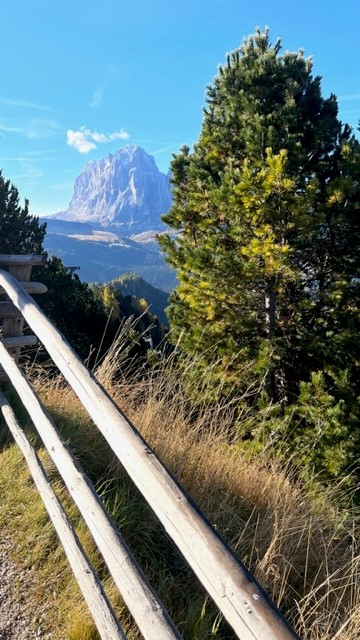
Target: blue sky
x=80 y=79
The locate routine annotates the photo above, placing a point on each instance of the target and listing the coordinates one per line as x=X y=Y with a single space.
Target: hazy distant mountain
x=124 y=191
x=103 y=255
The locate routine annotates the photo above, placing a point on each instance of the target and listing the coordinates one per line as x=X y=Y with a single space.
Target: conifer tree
x=267 y=229
x=19 y=231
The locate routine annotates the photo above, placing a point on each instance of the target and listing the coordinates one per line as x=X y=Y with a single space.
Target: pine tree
x=267 y=229
x=110 y=301
x=72 y=307
x=20 y=233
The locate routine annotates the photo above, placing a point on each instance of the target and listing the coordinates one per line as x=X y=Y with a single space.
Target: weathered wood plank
x=19 y=341
x=30 y=287
x=8 y=309
x=243 y=602
x=22 y=272
x=146 y=608
x=12 y=326
x=12 y=259
x=96 y=599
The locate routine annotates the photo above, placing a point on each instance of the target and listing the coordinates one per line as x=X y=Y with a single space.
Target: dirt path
x=17 y=620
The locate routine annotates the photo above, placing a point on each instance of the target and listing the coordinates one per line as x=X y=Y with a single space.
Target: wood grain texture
x=91 y=588
x=148 y=611
x=13 y=326
x=8 y=309
x=19 y=341
x=21 y=260
x=30 y=287
x=245 y=605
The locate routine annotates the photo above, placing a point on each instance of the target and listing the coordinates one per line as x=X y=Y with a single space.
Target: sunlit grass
x=300 y=542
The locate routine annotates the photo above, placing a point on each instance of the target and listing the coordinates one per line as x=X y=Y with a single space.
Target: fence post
x=20 y=266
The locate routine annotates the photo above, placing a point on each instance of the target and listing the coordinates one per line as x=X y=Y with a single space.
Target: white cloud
x=77 y=140
x=84 y=140
x=36 y=129
x=102 y=137
x=23 y=103
x=40 y=152
x=98 y=94
x=9 y=129
x=170 y=147
x=29 y=169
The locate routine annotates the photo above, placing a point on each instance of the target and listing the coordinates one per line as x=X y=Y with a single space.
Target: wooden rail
x=88 y=581
x=128 y=576
x=239 y=597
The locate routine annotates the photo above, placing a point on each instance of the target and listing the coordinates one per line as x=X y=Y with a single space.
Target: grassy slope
x=301 y=546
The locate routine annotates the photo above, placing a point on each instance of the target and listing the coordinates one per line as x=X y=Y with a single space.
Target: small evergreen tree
x=110 y=301
x=20 y=232
x=71 y=305
x=267 y=230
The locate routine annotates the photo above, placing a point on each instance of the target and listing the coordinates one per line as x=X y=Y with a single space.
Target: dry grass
x=302 y=544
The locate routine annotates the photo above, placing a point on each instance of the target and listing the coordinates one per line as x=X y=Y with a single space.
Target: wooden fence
x=244 y=604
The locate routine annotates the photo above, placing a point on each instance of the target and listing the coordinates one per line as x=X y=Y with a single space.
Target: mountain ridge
x=109 y=226
x=124 y=190
x=103 y=254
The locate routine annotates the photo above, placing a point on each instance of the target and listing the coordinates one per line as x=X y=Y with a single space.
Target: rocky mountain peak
x=124 y=190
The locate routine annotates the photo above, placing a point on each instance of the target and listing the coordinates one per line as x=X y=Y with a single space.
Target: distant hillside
x=104 y=255
x=133 y=285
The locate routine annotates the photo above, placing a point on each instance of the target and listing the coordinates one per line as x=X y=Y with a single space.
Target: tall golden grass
x=300 y=540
